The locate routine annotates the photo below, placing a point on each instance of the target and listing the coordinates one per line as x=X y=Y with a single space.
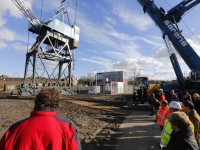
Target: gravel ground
x=96 y=128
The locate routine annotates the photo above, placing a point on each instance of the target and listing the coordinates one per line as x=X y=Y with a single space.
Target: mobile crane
x=167 y=22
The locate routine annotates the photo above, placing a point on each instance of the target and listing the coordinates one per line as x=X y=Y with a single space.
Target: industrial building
x=114 y=82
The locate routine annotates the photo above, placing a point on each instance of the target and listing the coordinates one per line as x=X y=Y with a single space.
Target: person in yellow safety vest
x=167 y=130
x=163 y=114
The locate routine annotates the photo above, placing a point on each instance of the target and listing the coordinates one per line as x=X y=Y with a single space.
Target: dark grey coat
x=183 y=140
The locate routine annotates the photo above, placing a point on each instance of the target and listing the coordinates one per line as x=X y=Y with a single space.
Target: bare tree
x=88 y=79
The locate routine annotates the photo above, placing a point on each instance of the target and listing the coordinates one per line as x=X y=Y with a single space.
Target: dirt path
x=95 y=117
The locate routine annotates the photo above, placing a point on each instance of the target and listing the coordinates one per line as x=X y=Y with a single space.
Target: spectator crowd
x=177 y=115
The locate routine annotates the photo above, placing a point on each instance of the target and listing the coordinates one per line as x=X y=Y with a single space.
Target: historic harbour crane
x=55 y=42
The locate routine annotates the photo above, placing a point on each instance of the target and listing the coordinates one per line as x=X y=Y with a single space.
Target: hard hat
x=175 y=105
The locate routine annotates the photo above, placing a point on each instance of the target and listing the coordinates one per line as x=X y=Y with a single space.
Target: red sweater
x=43 y=130
x=161 y=97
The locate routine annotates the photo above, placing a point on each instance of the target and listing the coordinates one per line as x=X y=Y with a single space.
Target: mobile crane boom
x=172 y=33
x=164 y=23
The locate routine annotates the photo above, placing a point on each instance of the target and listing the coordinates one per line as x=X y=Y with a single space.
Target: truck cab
x=195 y=75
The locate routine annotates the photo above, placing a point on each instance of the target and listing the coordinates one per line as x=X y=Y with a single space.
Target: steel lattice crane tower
x=60 y=40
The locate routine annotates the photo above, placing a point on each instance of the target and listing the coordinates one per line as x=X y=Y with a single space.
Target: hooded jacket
x=43 y=130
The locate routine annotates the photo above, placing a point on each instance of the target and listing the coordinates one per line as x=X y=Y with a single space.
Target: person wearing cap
x=188 y=107
x=167 y=130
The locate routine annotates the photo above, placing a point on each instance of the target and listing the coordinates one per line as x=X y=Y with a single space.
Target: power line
x=168 y=3
x=191 y=31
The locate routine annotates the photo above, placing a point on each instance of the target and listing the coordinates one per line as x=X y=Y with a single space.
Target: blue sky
x=114 y=35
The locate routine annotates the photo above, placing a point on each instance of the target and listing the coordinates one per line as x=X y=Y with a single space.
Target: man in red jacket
x=161 y=95
x=44 y=129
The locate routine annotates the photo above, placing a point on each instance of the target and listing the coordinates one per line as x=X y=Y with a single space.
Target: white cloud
x=6 y=33
x=195 y=43
x=138 y=63
x=98 y=60
x=8 y=5
x=24 y=38
x=125 y=11
x=164 y=72
x=2 y=44
x=162 y=54
x=19 y=47
x=10 y=35
x=110 y=20
x=48 y=5
x=126 y=65
x=82 y=3
x=111 y=40
x=122 y=47
x=2 y=20
x=17 y=72
x=94 y=33
x=149 y=61
x=134 y=38
x=93 y=51
x=162 y=77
